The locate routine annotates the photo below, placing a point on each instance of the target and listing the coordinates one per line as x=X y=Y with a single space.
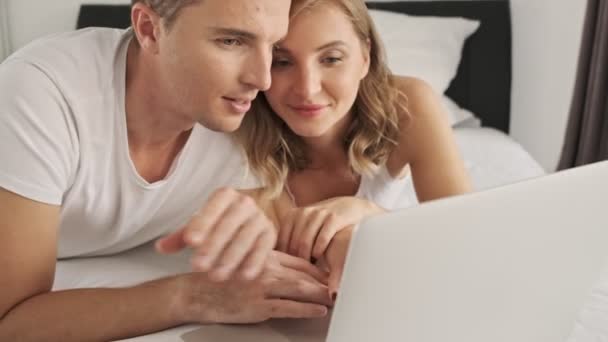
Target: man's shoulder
x=87 y=55
x=73 y=43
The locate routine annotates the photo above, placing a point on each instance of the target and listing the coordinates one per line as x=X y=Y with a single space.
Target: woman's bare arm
x=427 y=145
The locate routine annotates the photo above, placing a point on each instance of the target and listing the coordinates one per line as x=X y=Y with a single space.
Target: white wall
x=546 y=38
x=30 y=19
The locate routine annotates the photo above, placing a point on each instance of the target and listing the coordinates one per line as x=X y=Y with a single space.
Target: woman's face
x=316 y=71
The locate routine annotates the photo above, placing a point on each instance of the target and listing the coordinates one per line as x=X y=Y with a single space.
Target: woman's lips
x=308 y=110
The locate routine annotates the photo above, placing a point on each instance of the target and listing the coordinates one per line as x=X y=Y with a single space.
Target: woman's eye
x=332 y=60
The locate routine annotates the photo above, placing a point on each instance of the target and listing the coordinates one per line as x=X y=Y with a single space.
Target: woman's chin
x=309 y=133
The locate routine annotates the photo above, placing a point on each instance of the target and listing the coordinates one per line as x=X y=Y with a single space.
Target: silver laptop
x=512 y=264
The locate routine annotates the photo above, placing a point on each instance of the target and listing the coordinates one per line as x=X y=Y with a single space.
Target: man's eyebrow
x=234 y=32
x=334 y=43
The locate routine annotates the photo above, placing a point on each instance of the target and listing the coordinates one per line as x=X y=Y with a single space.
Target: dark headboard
x=483 y=82
x=117 y=16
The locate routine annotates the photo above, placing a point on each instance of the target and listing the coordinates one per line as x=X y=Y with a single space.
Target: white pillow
x=425 y=47
x=458 y=116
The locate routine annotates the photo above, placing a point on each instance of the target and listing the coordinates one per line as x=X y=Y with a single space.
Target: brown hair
x=167 y=9
x=273 y=150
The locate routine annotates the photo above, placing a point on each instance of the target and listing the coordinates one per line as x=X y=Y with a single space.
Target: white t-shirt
x=64 y=142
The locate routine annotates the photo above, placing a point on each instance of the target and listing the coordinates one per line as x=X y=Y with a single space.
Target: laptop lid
x=514 y=263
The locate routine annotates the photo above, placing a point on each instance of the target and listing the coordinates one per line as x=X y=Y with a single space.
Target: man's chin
x=224 y=125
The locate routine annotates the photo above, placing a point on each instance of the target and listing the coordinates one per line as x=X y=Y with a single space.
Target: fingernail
x=195 y=237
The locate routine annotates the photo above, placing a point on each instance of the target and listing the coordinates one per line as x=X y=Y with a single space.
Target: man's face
x=216 y=57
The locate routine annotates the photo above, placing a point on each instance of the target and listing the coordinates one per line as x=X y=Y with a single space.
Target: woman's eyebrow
x=334 y=43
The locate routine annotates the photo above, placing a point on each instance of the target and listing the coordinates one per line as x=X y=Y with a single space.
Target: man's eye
x=230 y=42
x=280 y=63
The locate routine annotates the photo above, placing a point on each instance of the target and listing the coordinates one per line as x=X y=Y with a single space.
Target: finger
x=294 y=285
x=280 y=308
x=256 y=260
x=222 y=233
x=328 y=231
x=335 y=276
x=204 y=220
x=285 y=232
x=300 y=224
x=301 y=265
x=171 y=243
x=238 y=249
x=309 y=234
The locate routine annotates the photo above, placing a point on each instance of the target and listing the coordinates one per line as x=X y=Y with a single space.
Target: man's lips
x=239 y=105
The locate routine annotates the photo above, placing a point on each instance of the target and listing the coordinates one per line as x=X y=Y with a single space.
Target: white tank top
x=384 y=190
x=388 y=192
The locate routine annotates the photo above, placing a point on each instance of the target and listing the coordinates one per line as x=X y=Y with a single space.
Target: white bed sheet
x=492 y=159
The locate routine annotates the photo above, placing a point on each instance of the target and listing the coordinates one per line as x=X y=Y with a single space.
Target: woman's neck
x=327 y=151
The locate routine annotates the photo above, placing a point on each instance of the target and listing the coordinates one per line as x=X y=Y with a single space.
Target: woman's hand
x=335 y=257
x=307 y=232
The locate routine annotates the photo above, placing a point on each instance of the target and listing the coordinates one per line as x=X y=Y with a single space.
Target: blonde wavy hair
x=273 y=150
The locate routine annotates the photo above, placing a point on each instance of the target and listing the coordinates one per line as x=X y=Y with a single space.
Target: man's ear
x=367 y=50
x=146 y=25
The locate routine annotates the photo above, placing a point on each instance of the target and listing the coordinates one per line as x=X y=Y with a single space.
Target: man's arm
x=29 y=311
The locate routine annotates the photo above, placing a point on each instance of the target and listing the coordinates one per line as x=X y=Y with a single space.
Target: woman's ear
x=367 y=50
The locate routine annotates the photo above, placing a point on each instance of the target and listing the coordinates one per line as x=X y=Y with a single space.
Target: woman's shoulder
x=418 y=91
x=422 y=124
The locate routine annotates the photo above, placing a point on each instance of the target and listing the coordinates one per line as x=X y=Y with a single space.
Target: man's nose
x=257 y=73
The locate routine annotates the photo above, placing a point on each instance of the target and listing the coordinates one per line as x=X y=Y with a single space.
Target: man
x=101 y=152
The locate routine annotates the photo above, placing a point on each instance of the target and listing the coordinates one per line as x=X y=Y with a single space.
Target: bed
x=476 y=87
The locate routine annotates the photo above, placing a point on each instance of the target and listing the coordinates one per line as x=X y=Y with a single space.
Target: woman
x=335 y=138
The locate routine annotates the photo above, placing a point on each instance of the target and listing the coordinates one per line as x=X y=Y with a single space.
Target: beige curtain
x=5 y=46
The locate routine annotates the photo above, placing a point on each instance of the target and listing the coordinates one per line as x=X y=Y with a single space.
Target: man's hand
x=229 y=233
x=288 y=287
